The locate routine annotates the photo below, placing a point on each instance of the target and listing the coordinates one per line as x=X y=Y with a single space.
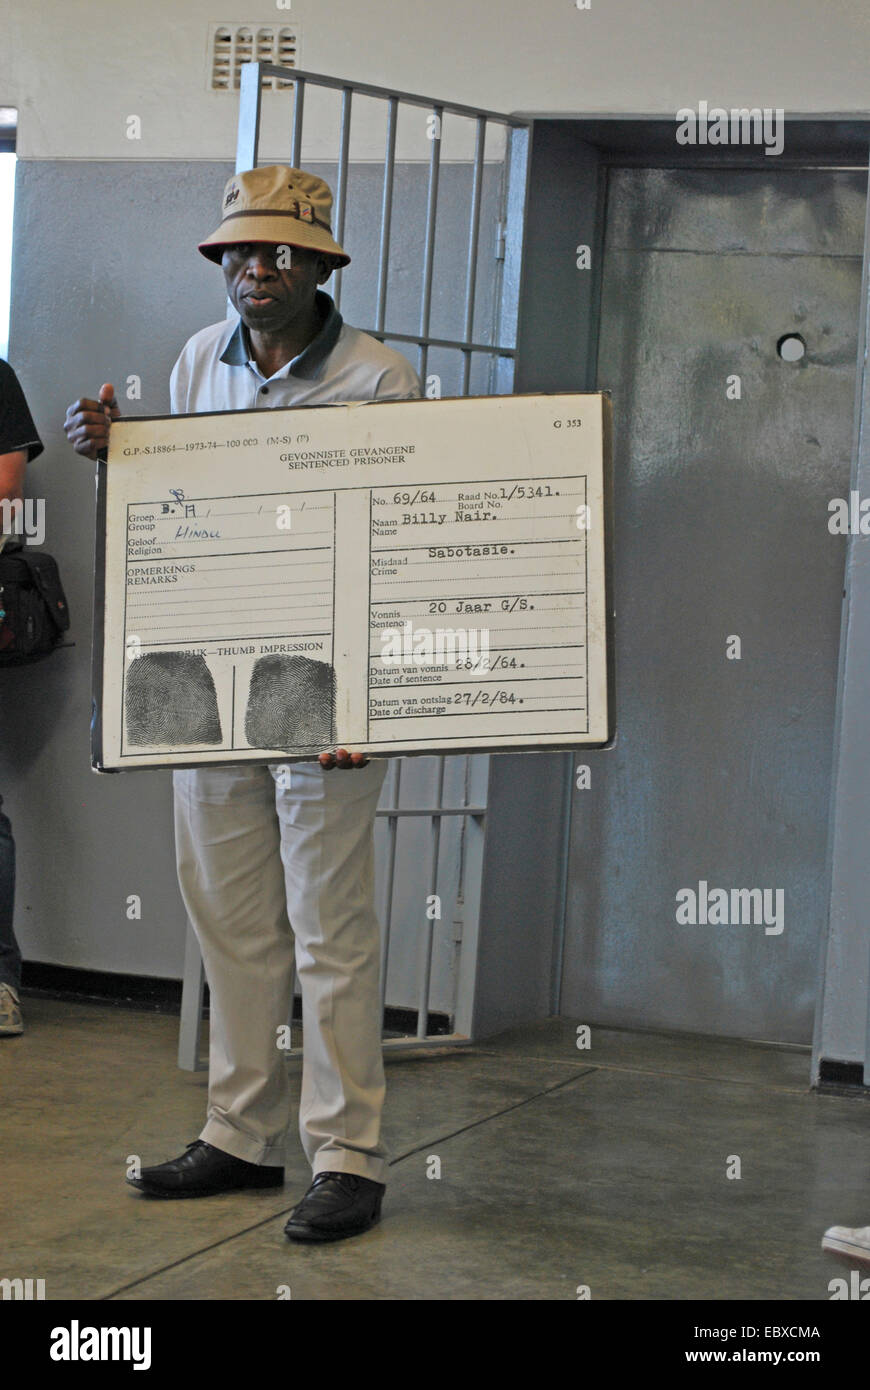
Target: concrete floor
x=559 y=1168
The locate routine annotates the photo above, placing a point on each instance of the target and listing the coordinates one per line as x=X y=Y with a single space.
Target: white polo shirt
x=216 y=371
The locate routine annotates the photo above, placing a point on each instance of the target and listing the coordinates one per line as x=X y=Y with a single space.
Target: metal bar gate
x=454 y=802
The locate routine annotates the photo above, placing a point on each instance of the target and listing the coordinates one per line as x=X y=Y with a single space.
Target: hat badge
x=231 y=196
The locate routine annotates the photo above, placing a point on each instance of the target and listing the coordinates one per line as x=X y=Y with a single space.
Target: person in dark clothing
x=19 y=443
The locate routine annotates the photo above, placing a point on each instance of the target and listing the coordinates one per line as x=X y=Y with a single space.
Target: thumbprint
x=169 y=698
x=291 y=703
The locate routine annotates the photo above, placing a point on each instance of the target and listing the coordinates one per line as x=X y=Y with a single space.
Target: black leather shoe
x=336 y=1205
x=202 y=1171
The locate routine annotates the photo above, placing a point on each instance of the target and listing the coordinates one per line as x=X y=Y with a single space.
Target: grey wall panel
x=558 y=300
x=521 y=889
x=722 y=768
x=524 y=865
x=107 y=282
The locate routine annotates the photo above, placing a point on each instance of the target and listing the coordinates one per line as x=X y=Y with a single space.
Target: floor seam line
x=205 y=1250
x=496 y=1115
x=684 y=1076
x=226 y=1240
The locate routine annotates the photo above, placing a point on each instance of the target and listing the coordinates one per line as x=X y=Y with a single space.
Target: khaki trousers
x=256 y=846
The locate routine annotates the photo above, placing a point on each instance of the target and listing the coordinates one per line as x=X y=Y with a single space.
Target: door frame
x=565 y=208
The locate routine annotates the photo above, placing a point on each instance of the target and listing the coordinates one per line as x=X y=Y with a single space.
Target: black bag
x=33 y=607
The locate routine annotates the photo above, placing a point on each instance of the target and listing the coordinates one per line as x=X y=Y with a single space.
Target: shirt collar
x=237 y=352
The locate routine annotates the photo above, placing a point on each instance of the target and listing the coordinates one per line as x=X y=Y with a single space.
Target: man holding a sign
x=261 y=848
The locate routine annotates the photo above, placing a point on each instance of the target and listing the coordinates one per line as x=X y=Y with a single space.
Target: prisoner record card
x=397 y=577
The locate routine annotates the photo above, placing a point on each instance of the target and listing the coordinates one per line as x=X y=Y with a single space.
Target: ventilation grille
x=233 y=45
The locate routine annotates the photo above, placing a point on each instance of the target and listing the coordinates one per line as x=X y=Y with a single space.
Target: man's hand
x=87 y=422
x=341 y=758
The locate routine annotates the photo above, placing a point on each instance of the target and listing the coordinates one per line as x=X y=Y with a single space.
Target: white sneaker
x=11 y=1021
x=847 y=1240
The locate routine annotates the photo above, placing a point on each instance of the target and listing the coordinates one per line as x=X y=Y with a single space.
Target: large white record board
x=396 y=577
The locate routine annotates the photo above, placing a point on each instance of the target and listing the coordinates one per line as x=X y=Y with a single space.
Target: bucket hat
x=279 y=205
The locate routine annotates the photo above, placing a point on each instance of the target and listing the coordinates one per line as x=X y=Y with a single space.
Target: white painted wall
x=76 y=69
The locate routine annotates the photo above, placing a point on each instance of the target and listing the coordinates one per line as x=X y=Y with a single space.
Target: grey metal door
x=726 y=457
